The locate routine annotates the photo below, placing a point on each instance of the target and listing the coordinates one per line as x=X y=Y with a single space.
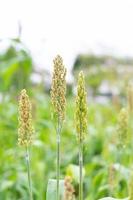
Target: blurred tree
x=103 y=67
x=86 y=60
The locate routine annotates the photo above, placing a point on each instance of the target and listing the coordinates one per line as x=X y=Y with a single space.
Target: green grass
x=100 y=151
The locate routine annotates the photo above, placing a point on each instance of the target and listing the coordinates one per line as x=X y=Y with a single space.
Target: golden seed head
x=69 y=189
x=25 y=130
x=111 y=177
x=81 y=108
x=122 y=128
x=58 y=88
x=130 y=97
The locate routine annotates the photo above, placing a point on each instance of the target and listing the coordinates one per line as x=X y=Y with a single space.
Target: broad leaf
x=51 y=189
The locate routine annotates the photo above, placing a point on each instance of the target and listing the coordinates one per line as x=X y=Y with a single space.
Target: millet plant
x=81 y=125
x=58 y=92
x=25 y=132
x=58 y=100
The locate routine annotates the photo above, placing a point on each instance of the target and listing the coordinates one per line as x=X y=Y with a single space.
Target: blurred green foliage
x=116 y=71
x=100 y=152
x=106 y=167
x=86 y=60
x=15 y=66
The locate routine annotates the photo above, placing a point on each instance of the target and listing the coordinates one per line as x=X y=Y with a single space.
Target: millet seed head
x=81 y=108
x=122 y=127
x=25 y=130
x=130 y=97
x=58 y=88
x=69 y=189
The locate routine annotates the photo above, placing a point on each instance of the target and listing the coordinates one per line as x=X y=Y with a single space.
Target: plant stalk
x=29 y=172
x=80 y=170
x=58 y=160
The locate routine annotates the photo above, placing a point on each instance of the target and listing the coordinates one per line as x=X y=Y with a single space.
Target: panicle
x=58 y=88
x=122 y=128
x=69 y=189
x=25 y=130
x=130 y=97
x=81 y=108
x=111 y=177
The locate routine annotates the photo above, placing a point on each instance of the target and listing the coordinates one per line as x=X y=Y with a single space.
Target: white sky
x=68 y=27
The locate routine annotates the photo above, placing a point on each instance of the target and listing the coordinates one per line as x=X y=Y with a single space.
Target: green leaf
x=7 y=75
x=6 y=185
x=51 y=189
x=73 y=171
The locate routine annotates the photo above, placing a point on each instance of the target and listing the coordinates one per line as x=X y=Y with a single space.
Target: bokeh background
x=91 y=35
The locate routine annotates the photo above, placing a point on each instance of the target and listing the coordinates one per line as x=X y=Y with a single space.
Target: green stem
x=80 y=170
x=58 y=160
x=29 y=172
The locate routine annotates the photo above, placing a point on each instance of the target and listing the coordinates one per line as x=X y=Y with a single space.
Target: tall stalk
x=25 y=132
x=58 y=159
x=80 y=170
x=81 y=125
x=29 y=172
x=58 y=100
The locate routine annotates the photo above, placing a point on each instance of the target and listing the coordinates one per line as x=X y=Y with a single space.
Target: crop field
x=62 y=143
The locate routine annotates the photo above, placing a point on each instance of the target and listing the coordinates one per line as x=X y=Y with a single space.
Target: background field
x=107 y=168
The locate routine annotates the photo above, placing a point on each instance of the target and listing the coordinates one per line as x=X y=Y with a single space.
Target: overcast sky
x=68 y=27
